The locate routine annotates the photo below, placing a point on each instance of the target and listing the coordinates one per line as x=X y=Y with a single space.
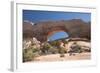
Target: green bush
x=45 y=48
x=55 y=43
x=53 y=50
x=30 y=53
x=62 y=51
x=27 y=55
x=76 y=48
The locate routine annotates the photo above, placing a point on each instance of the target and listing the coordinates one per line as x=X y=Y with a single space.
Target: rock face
x=41 y=30
x=27 y=30
x=31 y=43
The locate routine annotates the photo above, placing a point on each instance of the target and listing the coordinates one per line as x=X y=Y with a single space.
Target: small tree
x=27 y=55
x=62 y=52
x=30 y=54
x=75 y=48
x=45 y=48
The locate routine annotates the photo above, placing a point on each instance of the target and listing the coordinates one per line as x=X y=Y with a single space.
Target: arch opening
x=57 y=35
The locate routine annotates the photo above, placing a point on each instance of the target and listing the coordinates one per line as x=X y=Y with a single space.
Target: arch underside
x=56 y=29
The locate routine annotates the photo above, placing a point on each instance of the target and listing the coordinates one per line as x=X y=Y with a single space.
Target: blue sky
x=57 y=35
x=36 y=16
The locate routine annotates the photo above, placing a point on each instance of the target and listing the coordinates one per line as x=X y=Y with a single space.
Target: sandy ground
x=56 y=57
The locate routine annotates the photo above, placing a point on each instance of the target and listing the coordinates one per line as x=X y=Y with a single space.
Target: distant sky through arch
x=58 y=35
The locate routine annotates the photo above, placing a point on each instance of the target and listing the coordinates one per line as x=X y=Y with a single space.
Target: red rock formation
x=41 y=30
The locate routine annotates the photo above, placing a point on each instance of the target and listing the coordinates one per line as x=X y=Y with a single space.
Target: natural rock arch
x=41 y=30
x=52 y=33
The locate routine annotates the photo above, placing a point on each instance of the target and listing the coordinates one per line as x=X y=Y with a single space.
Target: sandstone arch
x=41 y=30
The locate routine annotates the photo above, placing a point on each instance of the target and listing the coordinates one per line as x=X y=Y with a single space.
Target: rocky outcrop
x=31 y=43
x=41 y=30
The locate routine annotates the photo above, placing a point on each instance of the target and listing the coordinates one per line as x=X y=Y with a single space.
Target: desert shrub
x=65 y=42
x=85 y=49
x=36 y=52
x=75 y=48
x=35 y=49
x=30 y=54
x=53 y=50
x=62 y=51
x=55 y=43
x=45 y=48
x=27 y=55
